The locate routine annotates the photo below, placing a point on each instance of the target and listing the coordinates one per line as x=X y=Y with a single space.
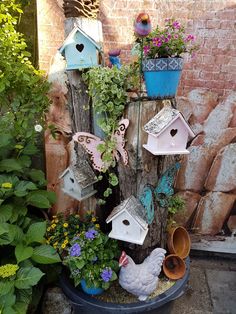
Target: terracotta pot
x=179 y=242
x=174 y=267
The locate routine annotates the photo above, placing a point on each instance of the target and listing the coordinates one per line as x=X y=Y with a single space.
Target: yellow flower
x=18 y=146
x=97 y=226
x=54 y=216
x=65 y=234
x=63 y=246
x=8 y=270
x=48 y=242
x=53 y=226
x=77 y=226
x=56 y=221
x=7 y=185
x=65 y=225
x=52 y=222
x=94 y=219
x=66 y=242
x=49 y=228
x=55 y=243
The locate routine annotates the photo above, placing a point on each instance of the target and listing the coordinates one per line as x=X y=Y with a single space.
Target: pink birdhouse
x=168 y=133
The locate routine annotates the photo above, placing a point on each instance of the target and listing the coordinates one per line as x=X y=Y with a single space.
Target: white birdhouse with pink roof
x=168 y=133
x=128 y=221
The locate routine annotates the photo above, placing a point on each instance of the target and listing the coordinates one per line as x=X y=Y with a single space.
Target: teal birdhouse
x=80 y=50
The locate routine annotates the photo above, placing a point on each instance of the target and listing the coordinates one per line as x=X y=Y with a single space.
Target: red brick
x=213 y=24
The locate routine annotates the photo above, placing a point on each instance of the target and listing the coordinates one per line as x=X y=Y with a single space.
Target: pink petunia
x=176 y=25
x=146 y=50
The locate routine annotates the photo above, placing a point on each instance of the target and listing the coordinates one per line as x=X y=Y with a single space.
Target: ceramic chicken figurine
x=142 y=279
x=142 y=25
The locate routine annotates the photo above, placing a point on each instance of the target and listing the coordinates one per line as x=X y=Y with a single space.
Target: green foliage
x=175 y=205
x=23 y=89
x=171 y=41
x=92 y=257
x=108 y=89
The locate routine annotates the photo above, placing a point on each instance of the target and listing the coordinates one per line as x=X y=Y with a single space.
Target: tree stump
x=143 y=168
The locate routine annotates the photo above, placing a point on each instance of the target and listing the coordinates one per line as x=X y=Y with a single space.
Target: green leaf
x=28 y=277
x=6 y=286
x=7 y=300
x=38 y=200
x=37 y=176
x=16 y=234
x=22 y=252
x=5 y=213
x=36 y=232
x=30 y=149
x=79 y=264
x=5 y=140
x=21 y=189
x=21 y=307
x=45 y=254
x=9 y=165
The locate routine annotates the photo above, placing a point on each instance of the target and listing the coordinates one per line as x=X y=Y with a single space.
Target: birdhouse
x=128 y=221
x=168 y=133
x=78 y=181
x=80 y=50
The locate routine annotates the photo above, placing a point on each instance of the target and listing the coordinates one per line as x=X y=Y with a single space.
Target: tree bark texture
x=143 y=168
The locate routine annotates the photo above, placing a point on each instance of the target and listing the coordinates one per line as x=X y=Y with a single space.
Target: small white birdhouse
x=128 y=221
x=168 y=133
x=80 y=50
x=78 y=181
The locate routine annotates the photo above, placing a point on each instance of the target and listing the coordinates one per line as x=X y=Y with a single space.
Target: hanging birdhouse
x=80 y=50
x=128 y=221
x=168 y=133
x=78 y=181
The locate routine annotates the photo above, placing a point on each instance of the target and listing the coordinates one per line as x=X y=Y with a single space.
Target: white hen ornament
x=141 y=279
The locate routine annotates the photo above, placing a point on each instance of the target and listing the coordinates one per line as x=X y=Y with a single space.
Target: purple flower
x=90 y=234
x=106 y=274
x=146 y=50
x=157 y=42
x=189 y=38
x=176 y=25
x=75 y=250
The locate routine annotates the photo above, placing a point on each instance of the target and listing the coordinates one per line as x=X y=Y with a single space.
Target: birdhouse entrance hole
x=72 y=180
x=80 y=47
x=126 y=222
x=173 y=132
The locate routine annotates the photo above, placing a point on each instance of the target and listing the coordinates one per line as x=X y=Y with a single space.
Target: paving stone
x=55 y=302
x=222 y=286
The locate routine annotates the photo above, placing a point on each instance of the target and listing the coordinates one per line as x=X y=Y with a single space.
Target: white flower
x=38 y=128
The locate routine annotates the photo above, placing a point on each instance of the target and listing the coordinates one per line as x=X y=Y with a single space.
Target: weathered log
x=143 y=168
x=78 y=8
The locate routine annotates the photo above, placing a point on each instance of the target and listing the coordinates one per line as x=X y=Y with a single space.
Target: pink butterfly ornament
x=90 y=143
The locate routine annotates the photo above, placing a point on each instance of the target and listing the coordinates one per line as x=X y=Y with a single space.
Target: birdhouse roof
x=132 y=206
x=83 y=174
x=163 y=119
x=69 y=39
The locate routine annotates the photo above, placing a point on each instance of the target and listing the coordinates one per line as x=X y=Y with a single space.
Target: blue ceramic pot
x=162 y=76
x=91 y=291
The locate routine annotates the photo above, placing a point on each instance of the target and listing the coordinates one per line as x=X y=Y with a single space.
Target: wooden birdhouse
x=128 y=221
x=168 y=133
x=78 y=181
x=80 y=50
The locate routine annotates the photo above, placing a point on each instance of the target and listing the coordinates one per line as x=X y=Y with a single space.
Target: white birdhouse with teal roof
x=129 y=221
x=80 y=50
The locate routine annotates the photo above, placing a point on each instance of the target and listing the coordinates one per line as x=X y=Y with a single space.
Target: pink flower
x=146 y=50
x=189 y=38
x=157 y=42
x=176 y=25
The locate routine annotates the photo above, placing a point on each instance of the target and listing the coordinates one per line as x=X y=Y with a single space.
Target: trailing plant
x=175 y=205
x=108 y=89
x=22 y=238
x=92 y=257
x=23 y=89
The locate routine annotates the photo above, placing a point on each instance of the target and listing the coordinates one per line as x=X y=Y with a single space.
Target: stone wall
x=212 y=21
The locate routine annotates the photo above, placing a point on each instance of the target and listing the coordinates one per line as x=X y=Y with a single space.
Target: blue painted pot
x=91 y=291
x=162 y=76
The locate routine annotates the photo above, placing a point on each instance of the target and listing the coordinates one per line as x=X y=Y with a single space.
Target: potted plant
x=91 y=260
x=162 y=58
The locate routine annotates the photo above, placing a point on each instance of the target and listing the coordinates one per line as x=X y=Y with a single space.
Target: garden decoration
x=91 y=259
x=142 y=279
x=179 y=242
x=80 y=50
x=93 y=145
x=142 y=25
x=78 y=181
x=168 y=133
x=162 y=64
x=174 y=267
x=81 y=8
x=114 y=58
x=128 y=221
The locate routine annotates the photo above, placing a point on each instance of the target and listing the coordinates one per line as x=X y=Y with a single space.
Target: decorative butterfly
x=90 y=143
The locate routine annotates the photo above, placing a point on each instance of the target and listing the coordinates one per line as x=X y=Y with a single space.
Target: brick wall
x=212 y=21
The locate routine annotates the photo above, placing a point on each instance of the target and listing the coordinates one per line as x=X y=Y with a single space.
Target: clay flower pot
x=174 y=267
x=179 y=242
